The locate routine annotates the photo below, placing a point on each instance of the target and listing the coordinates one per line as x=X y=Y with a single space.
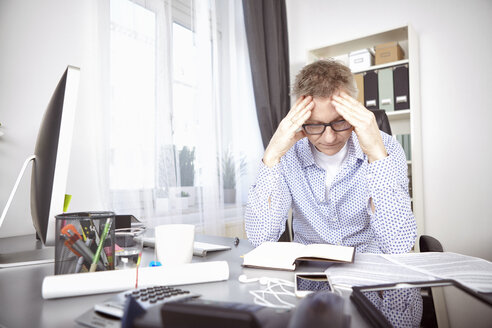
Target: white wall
x=456 y=74
x=38 y=39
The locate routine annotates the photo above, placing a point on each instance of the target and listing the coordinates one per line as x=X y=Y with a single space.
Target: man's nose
x=329 y=135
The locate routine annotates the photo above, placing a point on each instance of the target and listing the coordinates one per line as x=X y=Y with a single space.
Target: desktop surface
x=23 y=305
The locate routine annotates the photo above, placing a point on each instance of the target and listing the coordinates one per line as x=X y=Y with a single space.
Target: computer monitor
x=50 y=167
x=52 y=156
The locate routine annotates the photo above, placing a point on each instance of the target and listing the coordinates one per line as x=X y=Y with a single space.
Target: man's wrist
x=376 y=157
x=270 y=162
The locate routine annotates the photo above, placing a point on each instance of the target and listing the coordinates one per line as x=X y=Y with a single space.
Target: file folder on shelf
x=400 y=87
x=385 y=89
x=371 y=99
x=405 y=141
x=359 y=81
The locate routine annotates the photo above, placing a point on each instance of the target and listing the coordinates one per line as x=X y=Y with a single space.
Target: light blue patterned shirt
x=344 y=217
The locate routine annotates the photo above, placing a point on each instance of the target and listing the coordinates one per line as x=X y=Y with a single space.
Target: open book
x=284 y=255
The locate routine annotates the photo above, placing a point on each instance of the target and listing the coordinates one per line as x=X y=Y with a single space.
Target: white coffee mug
x=174 y=243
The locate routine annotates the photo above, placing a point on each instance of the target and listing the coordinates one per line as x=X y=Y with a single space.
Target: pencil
x=100 y=246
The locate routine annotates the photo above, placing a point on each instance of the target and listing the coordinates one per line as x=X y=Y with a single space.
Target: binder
x=359 y=81
x=385 y=89
x=405 y=141
x=400 y=87
x=371 y=99
x=408 y=147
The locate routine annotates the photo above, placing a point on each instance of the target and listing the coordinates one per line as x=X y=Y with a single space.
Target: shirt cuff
x=382 y=174
x=269 y=177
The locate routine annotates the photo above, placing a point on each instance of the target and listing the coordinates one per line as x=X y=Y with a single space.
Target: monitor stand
x=24 y=250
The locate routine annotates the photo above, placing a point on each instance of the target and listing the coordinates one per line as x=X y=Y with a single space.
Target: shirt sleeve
x=269 y=200
x=392 y=222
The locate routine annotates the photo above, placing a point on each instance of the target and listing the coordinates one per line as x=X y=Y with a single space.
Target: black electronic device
x=110 y=312
x=443 y=303
x=126 y=221
x=310 y=282
x=211 y=314
x=320 y=309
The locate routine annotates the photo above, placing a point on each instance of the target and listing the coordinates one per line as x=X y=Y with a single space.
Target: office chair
x=429 y=244
x=384 y=125
x=382 y=120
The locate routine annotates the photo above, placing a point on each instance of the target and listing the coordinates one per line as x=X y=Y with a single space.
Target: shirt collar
x=354 y=151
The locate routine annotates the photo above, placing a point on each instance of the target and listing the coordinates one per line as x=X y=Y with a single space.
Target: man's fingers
x=349 y=98
x=354 y=108
x=347 y=102
x=347 y=113
x=299 y=116
x=300 y=104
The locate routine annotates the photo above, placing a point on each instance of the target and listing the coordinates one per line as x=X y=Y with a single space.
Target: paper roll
x=119 y=280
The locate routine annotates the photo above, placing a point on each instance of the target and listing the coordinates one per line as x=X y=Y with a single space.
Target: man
x=345 y=180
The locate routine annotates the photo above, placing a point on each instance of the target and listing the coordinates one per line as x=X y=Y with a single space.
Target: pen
x=80 y=261
x=138 y=264
x=100 y=246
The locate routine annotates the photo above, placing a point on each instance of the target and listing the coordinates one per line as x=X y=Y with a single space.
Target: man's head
x=321 y=80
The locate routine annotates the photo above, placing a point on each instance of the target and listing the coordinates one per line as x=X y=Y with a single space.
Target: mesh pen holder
x=84 y=242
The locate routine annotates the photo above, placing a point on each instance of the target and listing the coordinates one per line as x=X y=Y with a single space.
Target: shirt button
x=369 y=176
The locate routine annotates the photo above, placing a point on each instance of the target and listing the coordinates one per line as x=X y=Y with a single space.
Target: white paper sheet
x=473 y=272
x=371 y=269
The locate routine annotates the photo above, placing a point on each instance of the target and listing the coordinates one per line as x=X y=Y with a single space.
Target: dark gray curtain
x=266 y=32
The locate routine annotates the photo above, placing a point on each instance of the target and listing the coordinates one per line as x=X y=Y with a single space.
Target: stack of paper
x=372 y=269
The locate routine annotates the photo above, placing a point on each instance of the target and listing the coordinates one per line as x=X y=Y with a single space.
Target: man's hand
x=289 y=131
x=364 y=123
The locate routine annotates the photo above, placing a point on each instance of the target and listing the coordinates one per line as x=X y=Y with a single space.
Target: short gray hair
x=323 y=78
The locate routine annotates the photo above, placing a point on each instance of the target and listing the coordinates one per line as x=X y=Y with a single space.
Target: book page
x=327 y=252
x=473 y=272
x=276 y=255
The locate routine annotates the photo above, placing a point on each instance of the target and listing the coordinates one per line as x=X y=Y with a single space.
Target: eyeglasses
x=320 y=128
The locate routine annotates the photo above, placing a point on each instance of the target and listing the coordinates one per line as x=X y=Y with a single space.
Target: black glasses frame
x=325 y=125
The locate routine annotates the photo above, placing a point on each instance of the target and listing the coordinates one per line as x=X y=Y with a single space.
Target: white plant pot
x=161 y=205
x=229 y=196
x=181 y=203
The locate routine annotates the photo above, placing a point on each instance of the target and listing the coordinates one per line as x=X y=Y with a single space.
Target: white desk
x=21 y=304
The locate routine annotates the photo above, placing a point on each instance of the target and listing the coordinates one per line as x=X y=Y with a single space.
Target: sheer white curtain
x=184 y=141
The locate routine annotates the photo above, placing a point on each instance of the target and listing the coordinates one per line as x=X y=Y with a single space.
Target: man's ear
x=299 y=135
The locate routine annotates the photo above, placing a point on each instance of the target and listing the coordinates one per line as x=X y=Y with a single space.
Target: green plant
x=187 y=166
x=183 y=194
x=229 y=168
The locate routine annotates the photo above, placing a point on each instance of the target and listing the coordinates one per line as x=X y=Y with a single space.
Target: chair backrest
x=429 y=244
x=382 y=119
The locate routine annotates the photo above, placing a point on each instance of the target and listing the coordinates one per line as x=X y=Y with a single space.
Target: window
x=173 y=125
x=133 y=94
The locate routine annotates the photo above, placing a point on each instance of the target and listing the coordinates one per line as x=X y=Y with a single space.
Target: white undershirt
x=331 y=164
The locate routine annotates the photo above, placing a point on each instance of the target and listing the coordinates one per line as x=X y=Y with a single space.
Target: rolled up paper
x=99 y=282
